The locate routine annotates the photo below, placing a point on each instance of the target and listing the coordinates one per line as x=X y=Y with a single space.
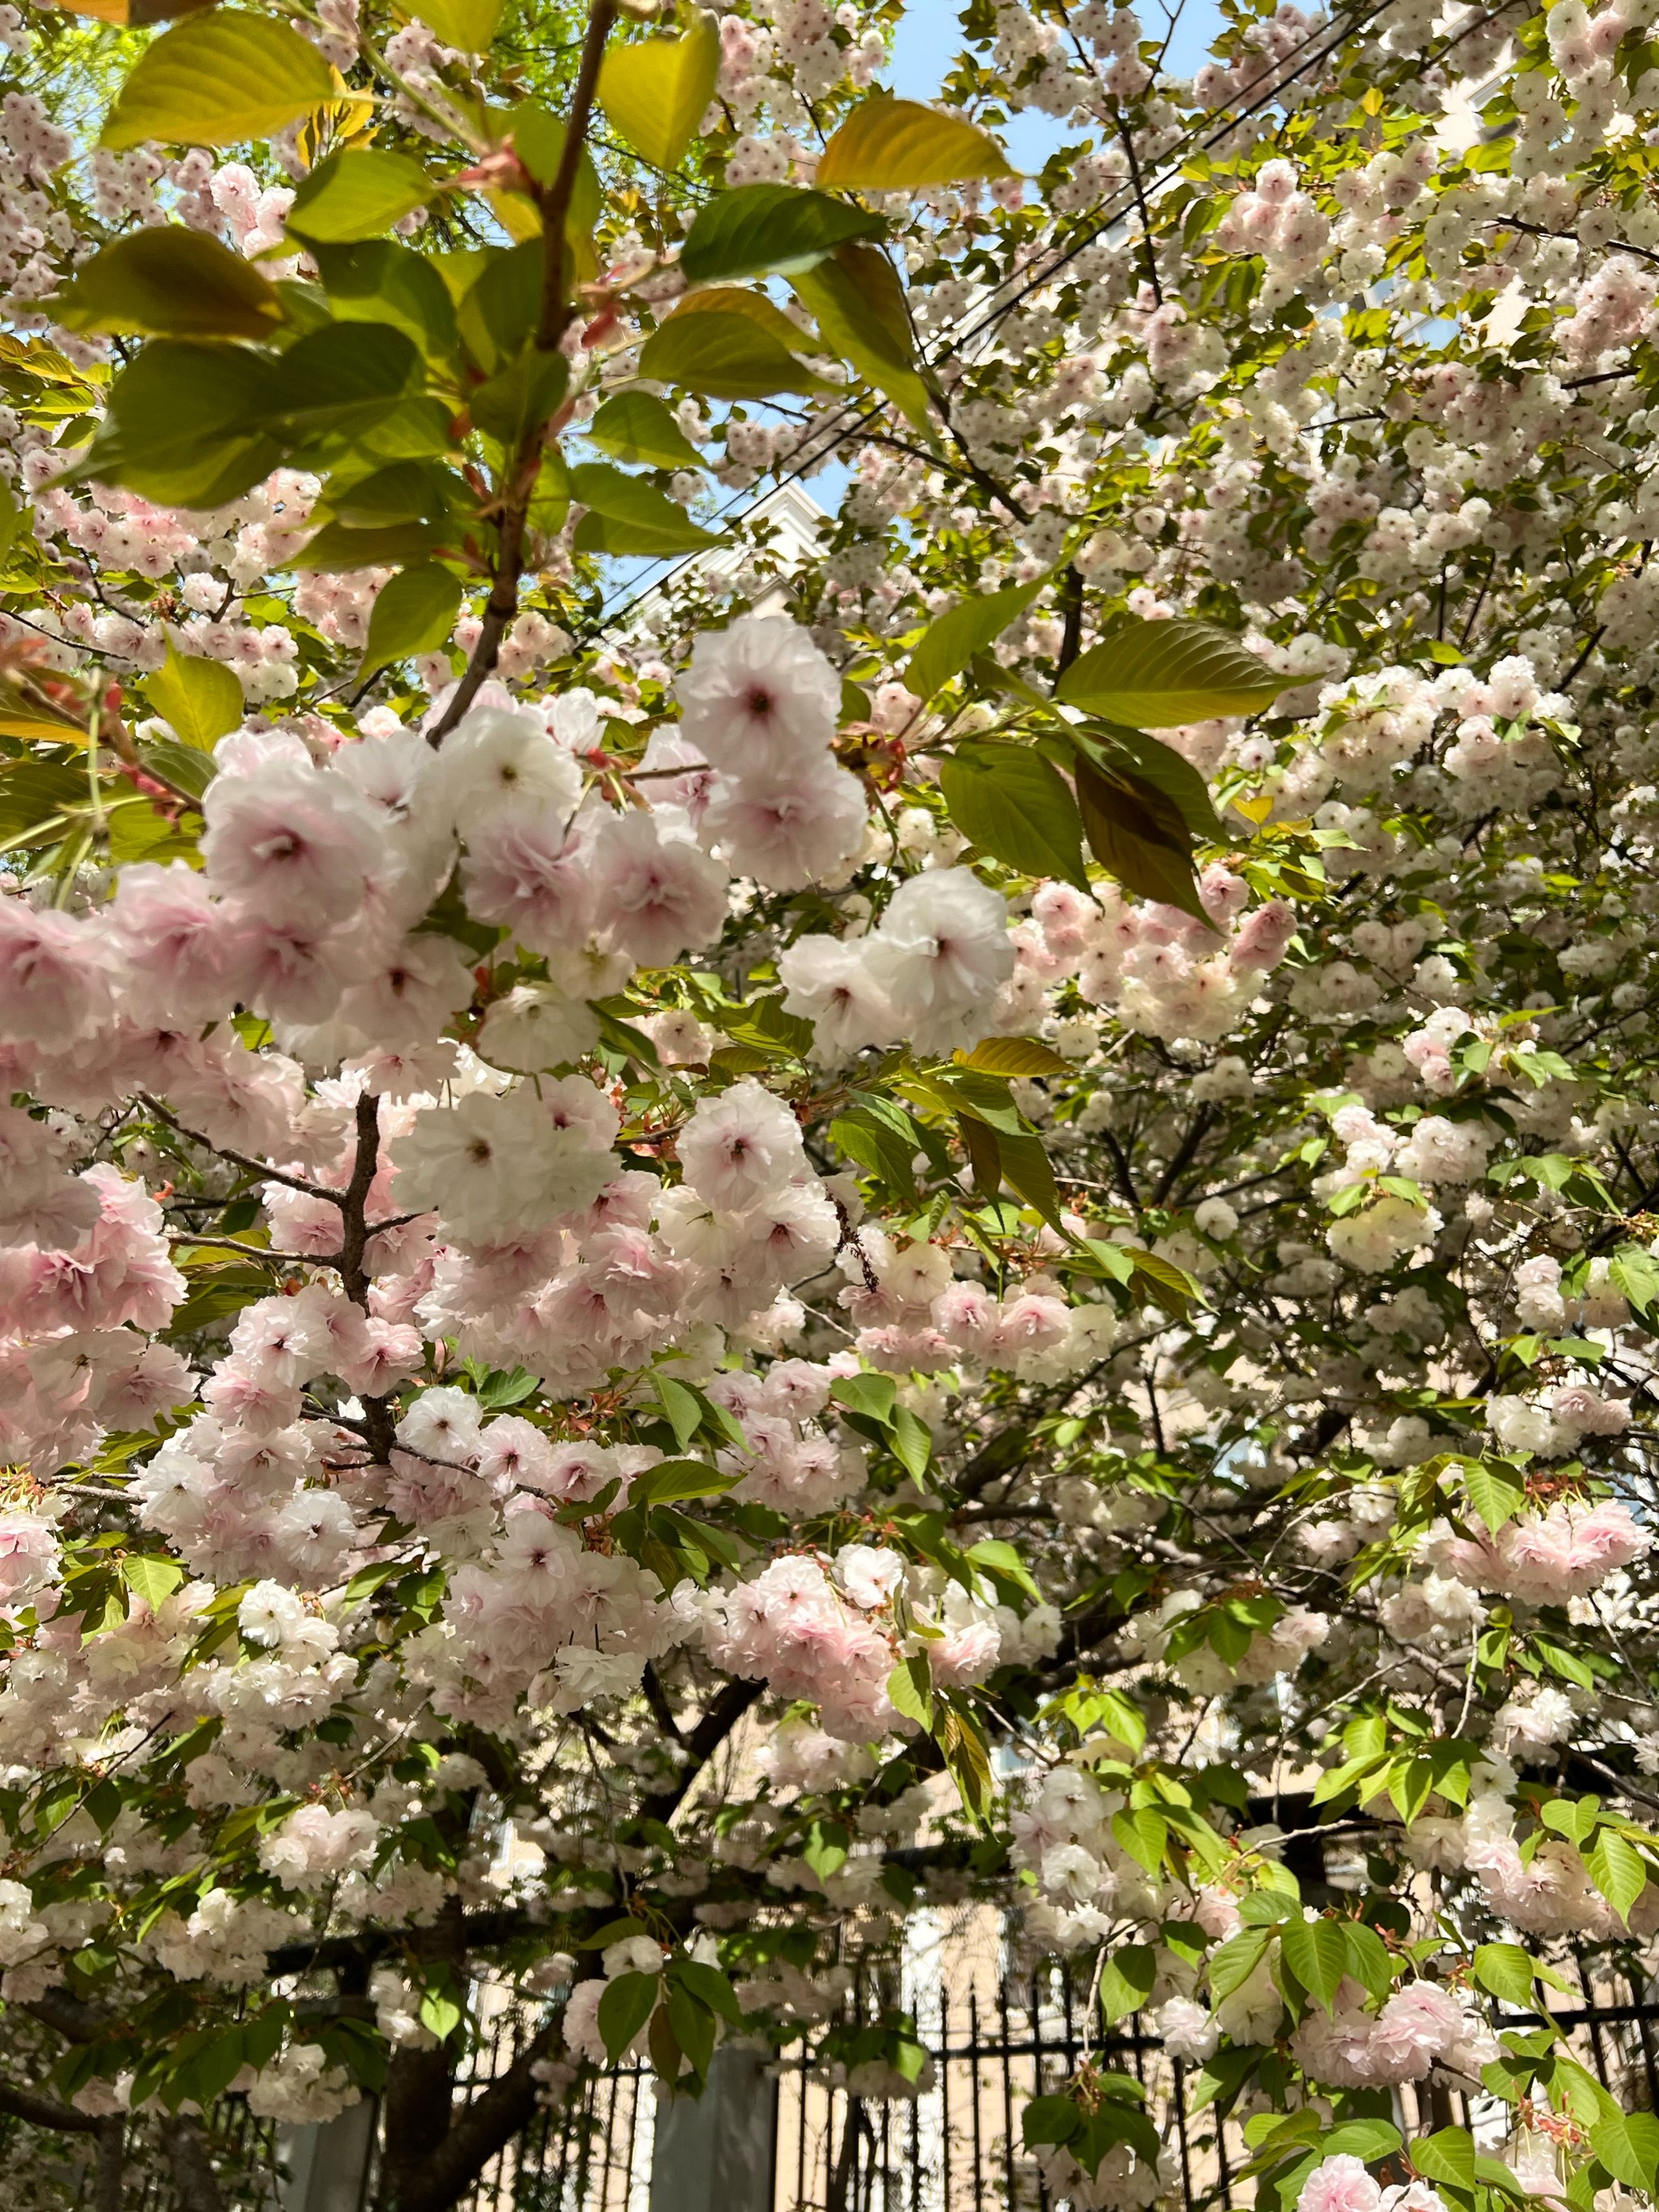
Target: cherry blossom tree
x=970 y=1218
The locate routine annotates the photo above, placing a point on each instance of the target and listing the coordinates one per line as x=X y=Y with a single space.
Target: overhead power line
x=965 y=328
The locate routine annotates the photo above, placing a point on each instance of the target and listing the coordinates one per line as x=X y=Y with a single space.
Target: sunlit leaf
x=654 y=91
x=170 y=282
x=1156 y=675
x=889 y=145
x=217 y=80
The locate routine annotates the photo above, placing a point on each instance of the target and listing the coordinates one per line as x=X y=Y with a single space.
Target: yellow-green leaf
x=858 y=303
x=654 y=92
x=200 y=700
x=170 y=282
x=468 y=25
x=216 y=80
x=950 y=643
x=628 y=514
x=1014 y=1055
x=414 y=613
x=753 y=307
x=723 y=356
x=356 y=194
x=1155 y=674
x=887 y=145
x=760 y=230
x=636 y=427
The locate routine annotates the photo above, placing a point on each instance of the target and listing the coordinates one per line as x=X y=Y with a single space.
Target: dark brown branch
x=704 y=1740
x=1071 y=599
x=111 y=2161
x=186 y=2143
x=42 y=2112
x=553 y=320
x=261 y=1168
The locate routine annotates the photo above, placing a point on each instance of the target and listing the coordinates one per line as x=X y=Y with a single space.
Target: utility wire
x=964 y=330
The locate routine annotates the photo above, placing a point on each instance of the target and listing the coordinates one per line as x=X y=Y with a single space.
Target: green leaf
x=826 y=1846
x=858 y=302
x=950 y=642
x=1447 y=2155
x=167 y=281
x=520 y=397
x=614 y=1931
x=1137 y=833
x=1025 y=1164
x=654 y=92
x=912 y=1442
x=1015 y=1056
x=338 y=376
x=710 y=1986
x=414 y=613
x=1496 y=1492
x=887 y=145
x=218 y=79
x=1009 y=801
x=188 y=425
x=768 y=230
x=1144 y=1834
x=1617 y=1868
x=1628 y=2146
x=1317 y=1952
x=1125 y=1981
x=1506 y=1971
x=678 y=1478
x=200 y=700
x=381 y=281
x=404 y=492
x=1233 y=1963
x=1154 y=675
x=1161 y=766
x=910 y=1689
x=1367 y=2140
x=1635 y=1273
x=967 y=1758
x=499 y=311
x=1003 y=1561
x=628 y=515
x=367 y=1580
x=468 y=25
x=151 y=1577
x=626 y=2005
x=184 y=767
x=724 y=356
x=872 y=1395
x=440 y=2014
x=635 y=426
x=356 y=194
x=1049 y=2120
x=337 y=547
x=1368 y=1959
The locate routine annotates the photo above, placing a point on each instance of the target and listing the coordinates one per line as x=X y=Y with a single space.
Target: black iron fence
x=993 y=2041
x=956 y=2144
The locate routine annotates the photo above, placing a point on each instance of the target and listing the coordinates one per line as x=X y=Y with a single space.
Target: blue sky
x=926 y=43
x=929 y=36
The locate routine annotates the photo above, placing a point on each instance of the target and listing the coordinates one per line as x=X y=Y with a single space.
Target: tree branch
x=43 y=2112
x=185 y=2142
x=551 y=325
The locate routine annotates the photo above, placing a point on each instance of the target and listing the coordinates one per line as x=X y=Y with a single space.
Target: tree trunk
x=186 y=2143
x=112 y=2159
